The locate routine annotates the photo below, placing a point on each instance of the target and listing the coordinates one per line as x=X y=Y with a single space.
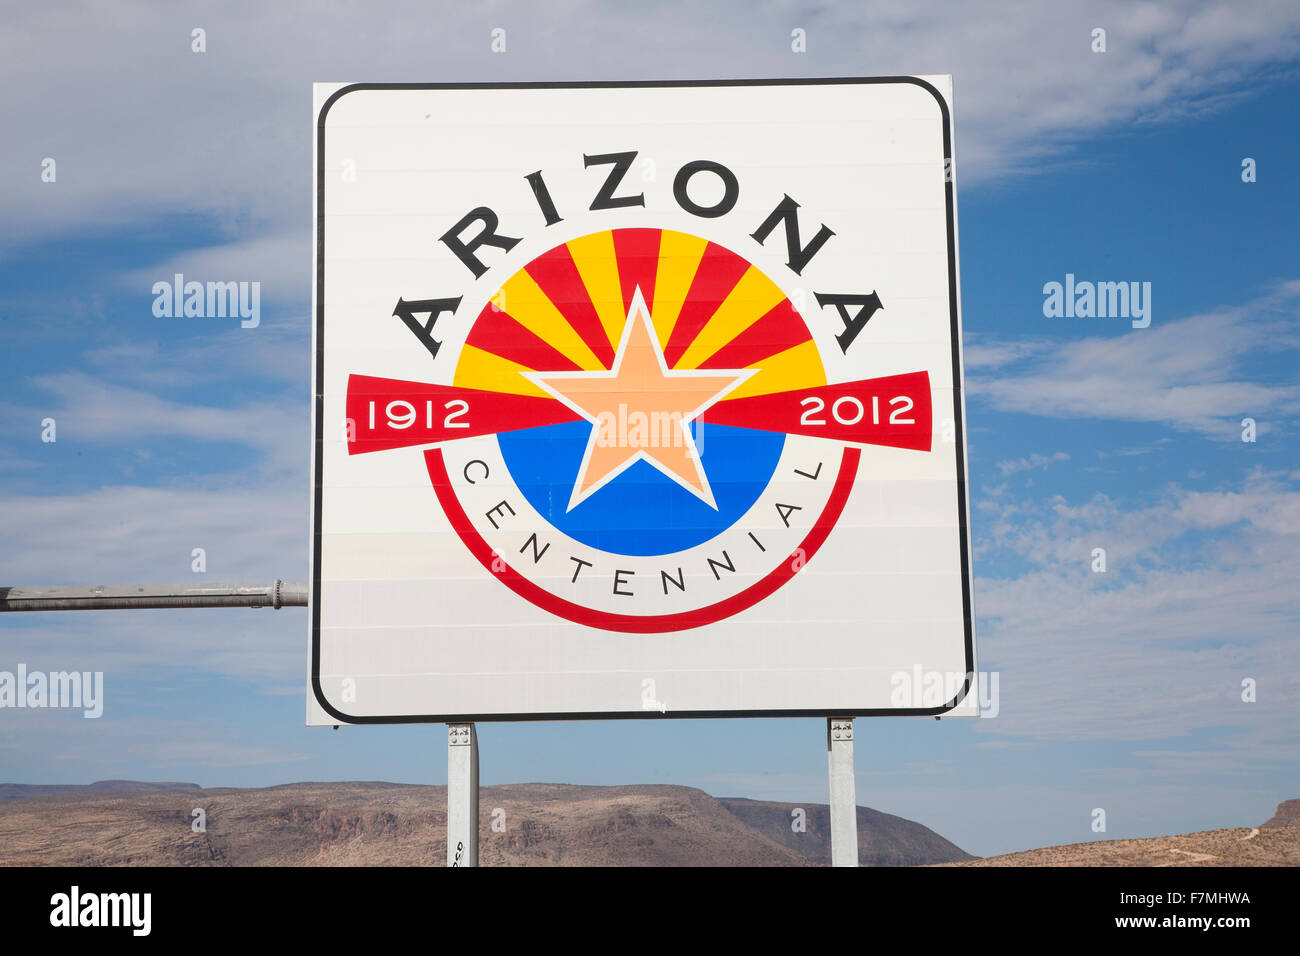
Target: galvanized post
x=134 y=597
x=844 y=797
x=462 y=795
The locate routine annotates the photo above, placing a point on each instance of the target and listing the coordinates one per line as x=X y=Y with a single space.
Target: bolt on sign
x=637 y=399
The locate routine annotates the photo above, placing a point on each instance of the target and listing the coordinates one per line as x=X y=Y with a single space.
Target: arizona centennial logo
x=638 y=433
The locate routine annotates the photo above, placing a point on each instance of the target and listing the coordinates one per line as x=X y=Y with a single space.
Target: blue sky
x=1119 y=690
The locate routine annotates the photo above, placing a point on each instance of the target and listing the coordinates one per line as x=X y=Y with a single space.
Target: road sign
x=637 y=399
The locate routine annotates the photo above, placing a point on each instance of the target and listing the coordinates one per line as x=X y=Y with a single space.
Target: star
x=640 y=411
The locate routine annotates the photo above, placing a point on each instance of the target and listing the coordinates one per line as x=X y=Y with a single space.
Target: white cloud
x=1011 y=466
x=129 y=534
x=1186 y=373
x=281 y=264
x=93 y=411
x=11 y=462
x=276 y=351
x=251 y=530
x=980 y=353
x=142 y=128
x=1199 y=594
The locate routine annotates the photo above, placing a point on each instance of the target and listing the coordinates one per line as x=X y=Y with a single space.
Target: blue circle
x=642 y=511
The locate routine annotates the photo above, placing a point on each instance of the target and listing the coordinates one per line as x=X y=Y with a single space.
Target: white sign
x=637 y=399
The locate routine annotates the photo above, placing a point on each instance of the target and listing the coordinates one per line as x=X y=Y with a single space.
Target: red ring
x=632 y=623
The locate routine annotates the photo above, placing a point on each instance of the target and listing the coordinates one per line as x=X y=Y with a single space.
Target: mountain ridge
x=378 y=823
x=368 y=823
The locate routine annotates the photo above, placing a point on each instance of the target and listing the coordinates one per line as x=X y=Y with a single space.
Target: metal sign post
x=136 y=597
x=844 y=797
x=462 y=795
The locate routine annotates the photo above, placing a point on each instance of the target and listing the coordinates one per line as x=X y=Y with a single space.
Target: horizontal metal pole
x=133 y=597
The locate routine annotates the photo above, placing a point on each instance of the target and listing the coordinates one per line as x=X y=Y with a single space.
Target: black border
x=318 y=400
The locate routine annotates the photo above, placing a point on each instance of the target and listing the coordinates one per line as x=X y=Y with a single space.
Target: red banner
x=389 y=413
x=386 y=413
x=893 y=411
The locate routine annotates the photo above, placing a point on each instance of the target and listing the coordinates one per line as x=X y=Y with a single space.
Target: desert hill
x=1276 y=842
x=883 y=839
x=124 y=823
x=1241 y=846
x=1287 y=815
x=322 y=824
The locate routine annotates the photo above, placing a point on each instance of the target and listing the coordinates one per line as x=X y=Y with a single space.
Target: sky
x=1121 y=691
